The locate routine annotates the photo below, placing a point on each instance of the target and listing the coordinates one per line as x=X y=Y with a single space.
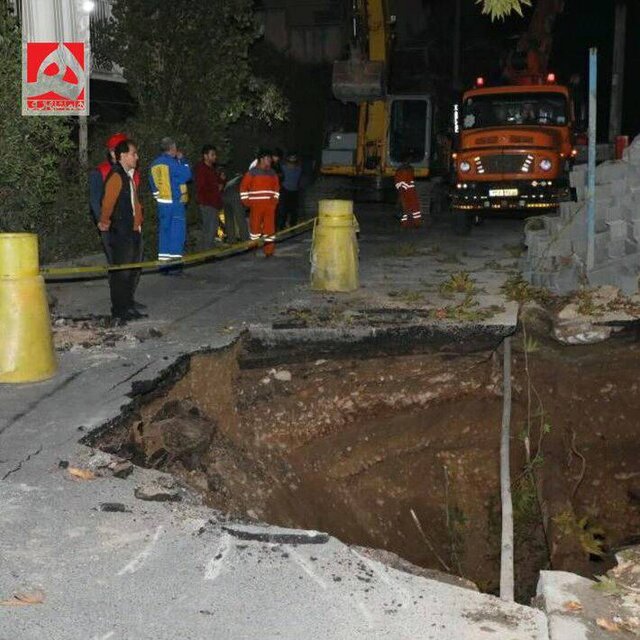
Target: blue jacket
x=168 y=179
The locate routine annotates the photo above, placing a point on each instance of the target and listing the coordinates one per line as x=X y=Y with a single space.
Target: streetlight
x=88 y=6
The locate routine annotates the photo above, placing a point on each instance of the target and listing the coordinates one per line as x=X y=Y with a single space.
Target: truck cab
x=514 y=150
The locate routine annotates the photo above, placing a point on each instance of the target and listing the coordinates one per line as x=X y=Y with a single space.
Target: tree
x=35 y=148
x=499 y=9
x=187 y=66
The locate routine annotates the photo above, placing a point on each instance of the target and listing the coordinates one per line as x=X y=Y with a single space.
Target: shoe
x=139 y=306
x=134 y=314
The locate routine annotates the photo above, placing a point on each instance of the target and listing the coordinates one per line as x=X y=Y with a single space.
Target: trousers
x=262 y=224
x=125 y=248
x=172 y=230
x=288 y=209
x=210 y=225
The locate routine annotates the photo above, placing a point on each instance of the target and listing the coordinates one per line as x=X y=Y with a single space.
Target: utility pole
x=617 y=77
x=456 y=44
x=83 y=141
x=591 y=165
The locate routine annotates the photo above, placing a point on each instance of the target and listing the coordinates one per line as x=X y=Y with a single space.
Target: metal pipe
x=591 y=168
x=506 y=553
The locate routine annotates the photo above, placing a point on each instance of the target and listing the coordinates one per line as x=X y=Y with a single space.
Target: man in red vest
x=260 y=191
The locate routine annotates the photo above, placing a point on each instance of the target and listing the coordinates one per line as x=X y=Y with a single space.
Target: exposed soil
x=353 y=446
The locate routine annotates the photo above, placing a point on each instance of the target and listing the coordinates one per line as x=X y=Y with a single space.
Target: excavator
x=360 y=164
x=514 y=144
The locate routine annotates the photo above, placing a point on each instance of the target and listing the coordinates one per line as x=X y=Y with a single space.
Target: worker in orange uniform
x=260 y=191
x=406 y=186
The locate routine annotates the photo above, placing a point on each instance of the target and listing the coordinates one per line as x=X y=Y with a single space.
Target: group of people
x=269 y=190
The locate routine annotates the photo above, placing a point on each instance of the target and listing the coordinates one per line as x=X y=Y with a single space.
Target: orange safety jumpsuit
x=406 y=186
x=260 y=191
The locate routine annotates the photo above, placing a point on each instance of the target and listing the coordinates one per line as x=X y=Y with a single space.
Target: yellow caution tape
x=193 y=258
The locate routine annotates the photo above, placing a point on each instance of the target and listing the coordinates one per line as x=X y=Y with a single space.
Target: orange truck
x=514 y=149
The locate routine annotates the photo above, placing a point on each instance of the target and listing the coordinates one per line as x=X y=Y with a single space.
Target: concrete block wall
x=556 y=253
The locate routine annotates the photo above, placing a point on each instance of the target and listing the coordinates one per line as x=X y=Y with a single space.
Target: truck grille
x=503 y=163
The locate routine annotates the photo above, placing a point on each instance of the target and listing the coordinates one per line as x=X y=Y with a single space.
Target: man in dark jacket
x=209 y=186
x=96 y=191
x=121 y=216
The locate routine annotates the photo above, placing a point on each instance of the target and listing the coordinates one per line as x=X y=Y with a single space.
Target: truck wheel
x=462 y=223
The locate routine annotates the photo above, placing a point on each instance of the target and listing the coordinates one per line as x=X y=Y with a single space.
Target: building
x=310 y=31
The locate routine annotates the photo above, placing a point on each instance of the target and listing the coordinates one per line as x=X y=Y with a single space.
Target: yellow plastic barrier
x=334 y=250
x=26 y=344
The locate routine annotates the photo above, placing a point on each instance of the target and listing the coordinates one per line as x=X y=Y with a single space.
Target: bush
x=41 y=188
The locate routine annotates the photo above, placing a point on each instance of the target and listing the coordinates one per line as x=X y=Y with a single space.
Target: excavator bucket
x=358 y=81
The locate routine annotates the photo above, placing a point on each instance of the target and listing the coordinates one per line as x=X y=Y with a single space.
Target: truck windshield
x=510 y=109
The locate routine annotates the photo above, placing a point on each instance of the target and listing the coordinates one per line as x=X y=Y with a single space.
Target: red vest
x=105 y=169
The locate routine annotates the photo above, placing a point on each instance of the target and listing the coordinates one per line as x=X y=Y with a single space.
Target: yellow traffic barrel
x=334 y=249
x=26 y=344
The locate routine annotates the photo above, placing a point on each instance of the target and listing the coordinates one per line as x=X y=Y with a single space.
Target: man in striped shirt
x=260 y=191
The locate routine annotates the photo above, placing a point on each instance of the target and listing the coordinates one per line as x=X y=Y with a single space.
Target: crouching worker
x=121 y=216
x=406 y=186
x=260 y=191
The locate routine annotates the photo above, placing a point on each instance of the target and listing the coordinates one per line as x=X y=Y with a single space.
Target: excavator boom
x=361 y=78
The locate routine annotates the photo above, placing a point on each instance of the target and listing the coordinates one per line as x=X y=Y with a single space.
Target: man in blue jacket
x=168 y=177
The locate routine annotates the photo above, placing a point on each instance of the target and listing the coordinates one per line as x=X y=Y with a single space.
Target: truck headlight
x=465 y=167
x=546 y=164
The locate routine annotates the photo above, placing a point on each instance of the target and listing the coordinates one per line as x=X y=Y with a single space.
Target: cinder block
x=611 y=171
x=578 y=176
x=617 y=229
x=581 y=193
x=612 y=213
x=602 y=244
x=559 y=248
x=617 y=249
x=632 y=153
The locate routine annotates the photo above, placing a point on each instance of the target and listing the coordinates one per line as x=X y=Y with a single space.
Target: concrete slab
x=577 y=610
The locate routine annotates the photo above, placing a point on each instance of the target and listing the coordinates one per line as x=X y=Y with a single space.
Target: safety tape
x=52 y=273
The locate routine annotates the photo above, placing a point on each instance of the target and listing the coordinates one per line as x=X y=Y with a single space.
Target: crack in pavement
x=133 y=375
x=16 y=469
x=18 y=416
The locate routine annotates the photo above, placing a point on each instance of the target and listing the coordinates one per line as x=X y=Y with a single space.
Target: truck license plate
x=503 y=193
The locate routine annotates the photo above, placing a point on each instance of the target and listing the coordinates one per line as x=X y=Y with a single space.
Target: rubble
x=276 y=535
x=557 y=252
x=157 y=492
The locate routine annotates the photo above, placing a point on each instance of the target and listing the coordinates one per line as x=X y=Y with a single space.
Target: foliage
x=36 y=156
x=500 y=9
x=188 y=69
x=459 y=282
x=589 y=534
x=518 y=290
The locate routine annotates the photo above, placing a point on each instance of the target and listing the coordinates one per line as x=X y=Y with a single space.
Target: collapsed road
x=256 y=427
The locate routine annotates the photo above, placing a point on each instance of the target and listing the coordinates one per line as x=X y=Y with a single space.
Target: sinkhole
x=401 y=451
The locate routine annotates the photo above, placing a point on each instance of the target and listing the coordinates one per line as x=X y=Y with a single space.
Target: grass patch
x=407 y=296
x=402 y=250
x=459 y=282
x=468 y=310
x=519 y=290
